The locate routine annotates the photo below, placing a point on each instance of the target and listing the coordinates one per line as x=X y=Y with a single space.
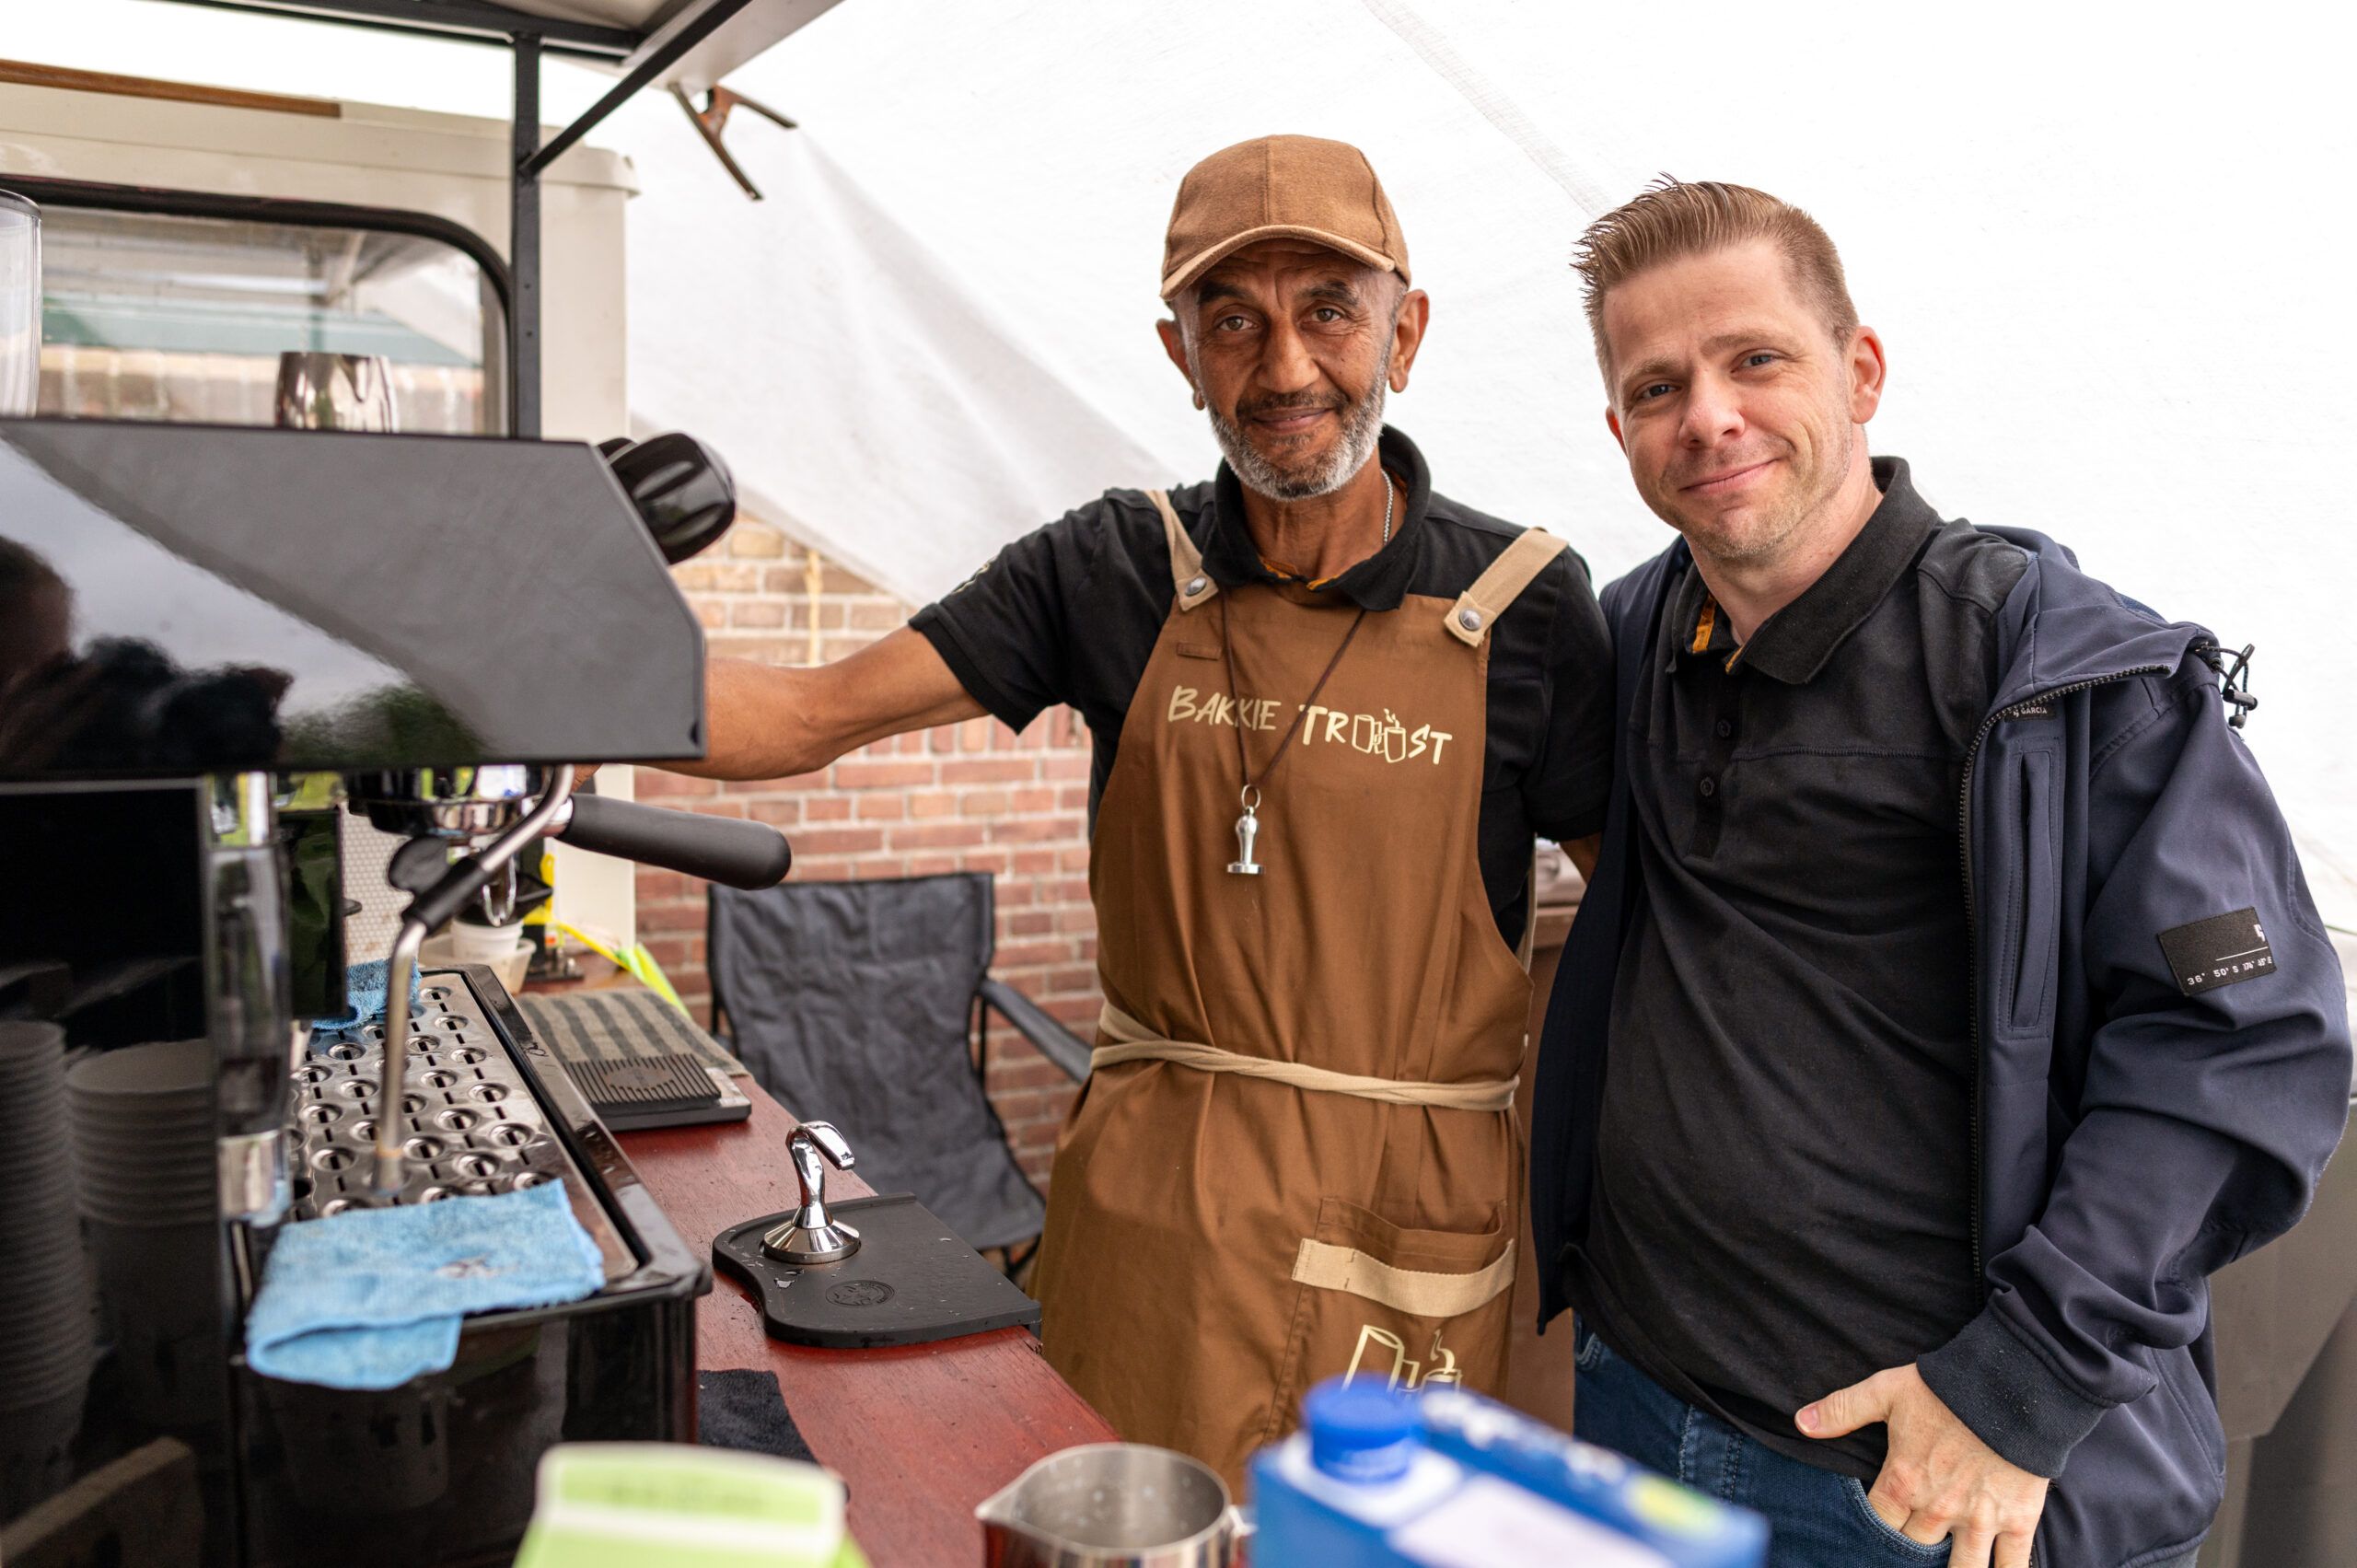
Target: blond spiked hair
x=1671 y=219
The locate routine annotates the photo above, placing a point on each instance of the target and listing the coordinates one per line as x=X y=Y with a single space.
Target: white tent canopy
x=2108 y=262
x=2106 y=268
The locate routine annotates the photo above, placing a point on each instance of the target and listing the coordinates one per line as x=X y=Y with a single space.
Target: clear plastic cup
x=20 y=305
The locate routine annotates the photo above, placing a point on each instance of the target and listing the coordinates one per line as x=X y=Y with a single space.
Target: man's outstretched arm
x=767 y=722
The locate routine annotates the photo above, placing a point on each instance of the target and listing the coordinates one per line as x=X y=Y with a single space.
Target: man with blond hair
x=1947 y=1002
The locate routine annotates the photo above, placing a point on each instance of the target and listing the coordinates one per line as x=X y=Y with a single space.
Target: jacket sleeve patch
x=2222 y=950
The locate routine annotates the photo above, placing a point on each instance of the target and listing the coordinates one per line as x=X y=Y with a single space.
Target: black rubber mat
x=912 y=1281
x=657 y=1091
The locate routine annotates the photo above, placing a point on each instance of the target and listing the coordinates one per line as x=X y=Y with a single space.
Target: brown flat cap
x=1280 y=188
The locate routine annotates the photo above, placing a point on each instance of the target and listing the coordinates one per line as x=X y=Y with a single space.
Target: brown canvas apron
x=1295 y=1156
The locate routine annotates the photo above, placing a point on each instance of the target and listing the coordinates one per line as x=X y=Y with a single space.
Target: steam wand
x=427 y=910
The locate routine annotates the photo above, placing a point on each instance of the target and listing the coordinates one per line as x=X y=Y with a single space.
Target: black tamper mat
x=912 y=1281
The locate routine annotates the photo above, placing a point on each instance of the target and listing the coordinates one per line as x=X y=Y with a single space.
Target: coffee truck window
x=179 y=316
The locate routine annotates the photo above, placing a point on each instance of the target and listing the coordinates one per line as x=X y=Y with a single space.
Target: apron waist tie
x=1133 y=1042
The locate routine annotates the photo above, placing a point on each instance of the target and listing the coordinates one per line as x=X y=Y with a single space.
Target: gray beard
x=1362 y=431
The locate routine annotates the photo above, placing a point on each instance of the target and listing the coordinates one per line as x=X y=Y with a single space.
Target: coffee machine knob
x=681 y=488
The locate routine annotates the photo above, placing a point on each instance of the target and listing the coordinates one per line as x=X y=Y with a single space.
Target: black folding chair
x=863 y=1003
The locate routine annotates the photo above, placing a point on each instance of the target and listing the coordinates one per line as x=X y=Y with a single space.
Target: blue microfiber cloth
x=364 y=994
x=370 y=1299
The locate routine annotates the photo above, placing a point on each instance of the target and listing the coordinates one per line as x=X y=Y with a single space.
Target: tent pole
x=524 y=244
x=462 y=21
x=663 y=50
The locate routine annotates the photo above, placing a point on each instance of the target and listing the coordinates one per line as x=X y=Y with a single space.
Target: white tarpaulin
x=2109 y=261
x=864 y=394
x=2106 y=267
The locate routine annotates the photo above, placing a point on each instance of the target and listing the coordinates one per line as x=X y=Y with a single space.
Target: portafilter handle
x=729 y=850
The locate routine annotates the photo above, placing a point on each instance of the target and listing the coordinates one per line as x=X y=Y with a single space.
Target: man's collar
x=1379 y=582
x=1794 y=645
x=1702 y=626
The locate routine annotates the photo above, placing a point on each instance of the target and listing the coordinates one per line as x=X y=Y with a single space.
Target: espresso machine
x=216 y=645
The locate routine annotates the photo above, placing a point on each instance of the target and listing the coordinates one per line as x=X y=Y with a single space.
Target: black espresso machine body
x=441 y=1469
x=206 y=632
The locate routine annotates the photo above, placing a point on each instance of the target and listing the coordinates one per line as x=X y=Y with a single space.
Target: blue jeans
x=1815 y=1518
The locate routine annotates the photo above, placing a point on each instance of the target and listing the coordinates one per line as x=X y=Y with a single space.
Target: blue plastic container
x=1376 y=1478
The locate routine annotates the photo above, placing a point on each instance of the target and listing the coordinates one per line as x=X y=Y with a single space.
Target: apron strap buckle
x=1479 y=607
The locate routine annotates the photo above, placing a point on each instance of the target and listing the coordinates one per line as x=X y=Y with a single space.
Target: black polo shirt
x=1070 y=612
x=1783 y=1176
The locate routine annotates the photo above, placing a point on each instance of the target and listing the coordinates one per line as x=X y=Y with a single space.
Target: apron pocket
x=1411 y=1308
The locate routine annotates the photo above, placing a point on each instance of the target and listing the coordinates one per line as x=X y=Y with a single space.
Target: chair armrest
x=1049 y=1038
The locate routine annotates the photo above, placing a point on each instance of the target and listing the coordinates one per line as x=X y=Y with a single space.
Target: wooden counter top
x=920 y=1435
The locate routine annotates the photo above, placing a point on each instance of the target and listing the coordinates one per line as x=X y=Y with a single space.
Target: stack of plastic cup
x=46 y=1322
x=143 y=1128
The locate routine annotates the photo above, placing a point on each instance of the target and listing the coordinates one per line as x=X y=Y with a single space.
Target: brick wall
x=973 y=796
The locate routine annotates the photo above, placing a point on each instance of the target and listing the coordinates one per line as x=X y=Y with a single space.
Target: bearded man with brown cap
x=1330 y=709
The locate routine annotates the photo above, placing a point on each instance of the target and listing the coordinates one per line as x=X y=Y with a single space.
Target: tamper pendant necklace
x=1248 y=827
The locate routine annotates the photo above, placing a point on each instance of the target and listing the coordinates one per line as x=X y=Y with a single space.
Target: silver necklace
x=1248 y=827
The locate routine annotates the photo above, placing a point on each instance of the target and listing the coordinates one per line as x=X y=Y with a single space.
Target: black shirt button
x=1709 y=788
x=1725 y=728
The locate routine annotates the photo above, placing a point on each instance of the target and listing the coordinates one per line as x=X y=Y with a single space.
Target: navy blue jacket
x=2130 y=1138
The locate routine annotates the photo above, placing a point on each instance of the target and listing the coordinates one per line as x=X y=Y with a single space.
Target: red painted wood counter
x=920 y=1434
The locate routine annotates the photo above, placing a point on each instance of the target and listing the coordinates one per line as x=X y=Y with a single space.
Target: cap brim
x=1203 y=261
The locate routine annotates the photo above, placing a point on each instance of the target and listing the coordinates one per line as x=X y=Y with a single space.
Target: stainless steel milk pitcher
x=1113 y=1505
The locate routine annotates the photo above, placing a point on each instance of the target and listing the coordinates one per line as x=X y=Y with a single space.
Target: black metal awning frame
x=641 y=57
